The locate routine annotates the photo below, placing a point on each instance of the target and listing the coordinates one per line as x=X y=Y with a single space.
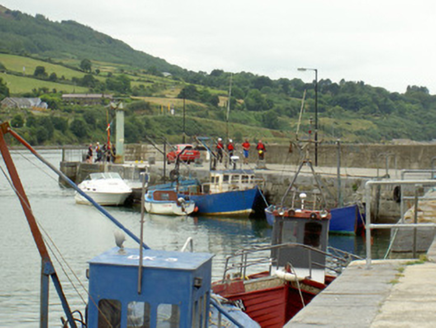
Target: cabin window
x=235 y=178
x=245 y=179
x=165 y=196
x=138 y=315
x=289 y=232
x=312 y=234
x=214 y=180
x=226 y=178
x=109 y=313
x=168 y=315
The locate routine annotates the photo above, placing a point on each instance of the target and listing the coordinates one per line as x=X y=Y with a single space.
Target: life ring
x=291 y=212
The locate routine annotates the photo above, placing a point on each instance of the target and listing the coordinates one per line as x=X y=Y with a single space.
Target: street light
x=316 y=109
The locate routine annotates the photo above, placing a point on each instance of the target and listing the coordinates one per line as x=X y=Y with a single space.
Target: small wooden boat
x=166 y=202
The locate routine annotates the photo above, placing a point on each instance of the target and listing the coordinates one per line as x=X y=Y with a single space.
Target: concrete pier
x=391 y=293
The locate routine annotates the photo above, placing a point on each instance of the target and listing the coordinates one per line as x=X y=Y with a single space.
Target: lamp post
x=316 y=110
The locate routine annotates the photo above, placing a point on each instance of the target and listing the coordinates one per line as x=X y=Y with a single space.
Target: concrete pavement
x=391 y=293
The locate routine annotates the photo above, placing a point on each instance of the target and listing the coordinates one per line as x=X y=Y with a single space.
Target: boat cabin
x=174 y=290
x=229 y=180
x=303 y=227
x=163 y=195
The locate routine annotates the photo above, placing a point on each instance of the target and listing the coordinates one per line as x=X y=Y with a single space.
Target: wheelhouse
x=228 y=180
x=173 y=289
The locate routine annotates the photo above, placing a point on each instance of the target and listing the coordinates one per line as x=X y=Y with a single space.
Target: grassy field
x=27 y=66
x=19 y=84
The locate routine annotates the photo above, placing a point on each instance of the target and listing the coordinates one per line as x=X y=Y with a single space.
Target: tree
x=78 y=127
x=86 y=65
x=189 y=92
x=53 y=77
x=40 y=72
x=4 y=90
x=17 y=121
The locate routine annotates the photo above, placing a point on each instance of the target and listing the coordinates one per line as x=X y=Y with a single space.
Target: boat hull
x=344 y=220
x=235 y=203
x=274 y=303
x=104 y=199
x=169 y=208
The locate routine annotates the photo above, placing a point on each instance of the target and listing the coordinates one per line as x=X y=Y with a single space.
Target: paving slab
x=391 y=293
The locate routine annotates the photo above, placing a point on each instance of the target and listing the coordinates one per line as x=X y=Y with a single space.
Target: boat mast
x=228 y=109
x=47 y=269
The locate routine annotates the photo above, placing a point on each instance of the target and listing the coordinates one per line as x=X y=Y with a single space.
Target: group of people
x=105 y=152
x=230 y=147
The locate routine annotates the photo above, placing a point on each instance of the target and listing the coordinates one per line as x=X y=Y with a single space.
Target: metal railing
x=401 y=225
x=247 y=258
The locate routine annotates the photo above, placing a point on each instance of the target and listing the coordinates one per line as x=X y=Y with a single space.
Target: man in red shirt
x=219 y=150
x=245 y=148
x=261 y=150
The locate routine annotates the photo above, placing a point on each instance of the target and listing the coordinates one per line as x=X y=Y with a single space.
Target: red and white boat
x=295 y=273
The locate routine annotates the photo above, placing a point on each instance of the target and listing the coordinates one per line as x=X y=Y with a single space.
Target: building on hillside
x=11 y=102
x=86 y=99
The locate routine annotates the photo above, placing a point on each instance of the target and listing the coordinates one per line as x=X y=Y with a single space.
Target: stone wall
x=418 y=156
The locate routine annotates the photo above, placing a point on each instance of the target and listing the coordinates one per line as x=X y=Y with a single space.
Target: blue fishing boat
x=134 y=287
x=228 y=192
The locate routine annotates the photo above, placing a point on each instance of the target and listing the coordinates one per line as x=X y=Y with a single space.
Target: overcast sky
x=386 y=43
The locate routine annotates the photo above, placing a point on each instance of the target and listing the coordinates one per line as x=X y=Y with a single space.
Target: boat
x=106 y=188
x=344 y=220
x=128 y=287
x=167 y=202
x=273 y=283
x=228 y=192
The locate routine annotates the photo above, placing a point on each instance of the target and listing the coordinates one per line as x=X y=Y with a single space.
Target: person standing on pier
x=219 y=150
x=98 y=152
x=245 y=149
x=89 y=154
x=230 y=150
x=261 y=150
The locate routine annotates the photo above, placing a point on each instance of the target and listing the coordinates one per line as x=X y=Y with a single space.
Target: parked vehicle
x=186 y=152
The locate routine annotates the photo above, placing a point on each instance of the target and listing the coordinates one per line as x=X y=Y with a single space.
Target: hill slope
x=24 y=34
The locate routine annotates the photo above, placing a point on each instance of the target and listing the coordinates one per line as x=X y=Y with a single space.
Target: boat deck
x=391 y=293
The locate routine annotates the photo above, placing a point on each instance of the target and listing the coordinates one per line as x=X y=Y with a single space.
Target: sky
x=384 y=43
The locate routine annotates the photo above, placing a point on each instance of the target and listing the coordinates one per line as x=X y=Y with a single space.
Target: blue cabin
x=175 y=289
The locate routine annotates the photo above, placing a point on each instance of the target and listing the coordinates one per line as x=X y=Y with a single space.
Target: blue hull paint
x=346 y=220
x=239 y=202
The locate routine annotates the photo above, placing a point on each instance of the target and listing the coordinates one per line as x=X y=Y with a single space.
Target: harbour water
x=80 y=233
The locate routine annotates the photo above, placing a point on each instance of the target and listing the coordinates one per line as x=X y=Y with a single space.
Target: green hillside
x=41 y=58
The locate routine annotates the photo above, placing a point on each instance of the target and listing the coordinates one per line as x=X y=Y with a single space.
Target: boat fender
x=313 y=216
x=291 y=212
x=288 y=276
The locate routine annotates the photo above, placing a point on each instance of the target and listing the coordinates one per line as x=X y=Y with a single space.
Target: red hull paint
x=270 y=307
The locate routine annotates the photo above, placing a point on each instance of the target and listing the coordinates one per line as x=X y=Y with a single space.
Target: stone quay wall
x=414 y=156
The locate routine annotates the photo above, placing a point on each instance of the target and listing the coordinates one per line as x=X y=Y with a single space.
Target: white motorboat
x=166 y=202
x=105 y=188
